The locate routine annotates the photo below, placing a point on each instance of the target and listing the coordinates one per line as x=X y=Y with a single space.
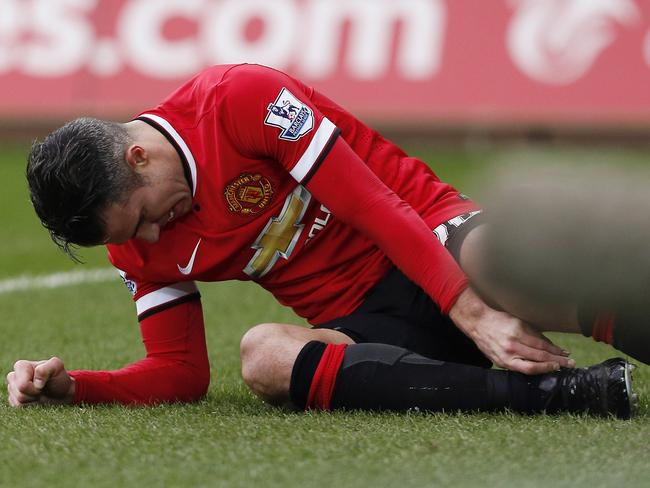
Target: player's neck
x=153 y=141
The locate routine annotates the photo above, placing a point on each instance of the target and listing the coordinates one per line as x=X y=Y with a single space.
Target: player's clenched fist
x=39 y=382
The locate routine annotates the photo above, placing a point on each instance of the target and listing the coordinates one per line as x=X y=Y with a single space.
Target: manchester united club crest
x=248 y=194
x=289 y=114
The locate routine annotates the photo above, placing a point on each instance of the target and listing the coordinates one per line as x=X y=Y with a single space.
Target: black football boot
x=603 y=389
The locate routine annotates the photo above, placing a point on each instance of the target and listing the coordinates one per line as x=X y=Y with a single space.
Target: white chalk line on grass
x=56 y=280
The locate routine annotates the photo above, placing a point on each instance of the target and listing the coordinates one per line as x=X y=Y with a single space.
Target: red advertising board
x=402 y=61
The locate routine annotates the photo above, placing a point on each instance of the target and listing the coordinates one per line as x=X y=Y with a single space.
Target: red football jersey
x=252 y=139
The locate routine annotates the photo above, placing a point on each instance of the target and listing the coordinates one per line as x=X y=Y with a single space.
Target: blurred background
x=497 y=66
x=459 y=83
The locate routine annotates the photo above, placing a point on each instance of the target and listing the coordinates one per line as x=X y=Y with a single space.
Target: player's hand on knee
x=506 y=340
x=39 y=382
x=530 y=352
x=514 y=345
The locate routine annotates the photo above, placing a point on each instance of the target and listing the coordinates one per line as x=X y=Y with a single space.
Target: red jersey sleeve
x=393 y=225
x=270 y=115
x=175 y=368
x=176 y=365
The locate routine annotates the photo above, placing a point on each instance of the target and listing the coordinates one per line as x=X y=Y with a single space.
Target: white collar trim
x=181 y=143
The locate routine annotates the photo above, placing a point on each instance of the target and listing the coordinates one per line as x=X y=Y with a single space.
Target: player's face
x=164 y=198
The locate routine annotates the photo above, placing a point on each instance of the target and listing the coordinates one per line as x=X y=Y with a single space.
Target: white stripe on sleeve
x=164 y=295
x=314 y=150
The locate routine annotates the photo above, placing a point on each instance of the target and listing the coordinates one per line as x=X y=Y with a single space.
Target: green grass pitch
x=231 y=439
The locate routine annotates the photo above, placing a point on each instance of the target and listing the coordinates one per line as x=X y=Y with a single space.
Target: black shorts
x=397 y=311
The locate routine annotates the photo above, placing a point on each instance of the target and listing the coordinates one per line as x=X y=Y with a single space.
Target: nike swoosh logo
x=188 y=269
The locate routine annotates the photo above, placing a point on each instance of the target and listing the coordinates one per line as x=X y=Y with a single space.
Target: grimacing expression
x=161 y=200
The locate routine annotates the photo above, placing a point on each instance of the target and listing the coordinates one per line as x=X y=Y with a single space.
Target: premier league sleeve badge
x=289 y=114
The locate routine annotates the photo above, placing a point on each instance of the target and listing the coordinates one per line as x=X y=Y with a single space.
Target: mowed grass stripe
x=57 y=280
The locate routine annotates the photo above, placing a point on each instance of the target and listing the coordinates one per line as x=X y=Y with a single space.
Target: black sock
x=385 y=377
x=303 y=372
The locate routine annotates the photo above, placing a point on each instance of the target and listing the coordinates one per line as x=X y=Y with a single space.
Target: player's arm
x=175 y=368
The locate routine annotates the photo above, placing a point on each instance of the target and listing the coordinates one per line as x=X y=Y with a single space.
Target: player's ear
x=136 y=157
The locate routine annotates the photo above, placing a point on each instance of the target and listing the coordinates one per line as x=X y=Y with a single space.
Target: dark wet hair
x=74 y=174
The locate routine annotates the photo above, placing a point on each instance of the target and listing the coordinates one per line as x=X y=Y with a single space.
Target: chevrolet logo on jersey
x=280 y=235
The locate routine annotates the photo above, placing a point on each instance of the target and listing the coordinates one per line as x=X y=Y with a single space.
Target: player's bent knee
x=268 y=352
x=257 y=352
x=256 y=338
x=253 y=375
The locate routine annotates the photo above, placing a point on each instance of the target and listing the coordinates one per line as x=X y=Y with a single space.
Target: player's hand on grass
x=39 y=382
x=507 y=341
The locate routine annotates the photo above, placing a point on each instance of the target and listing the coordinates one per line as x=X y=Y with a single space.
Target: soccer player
x=246 y=173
